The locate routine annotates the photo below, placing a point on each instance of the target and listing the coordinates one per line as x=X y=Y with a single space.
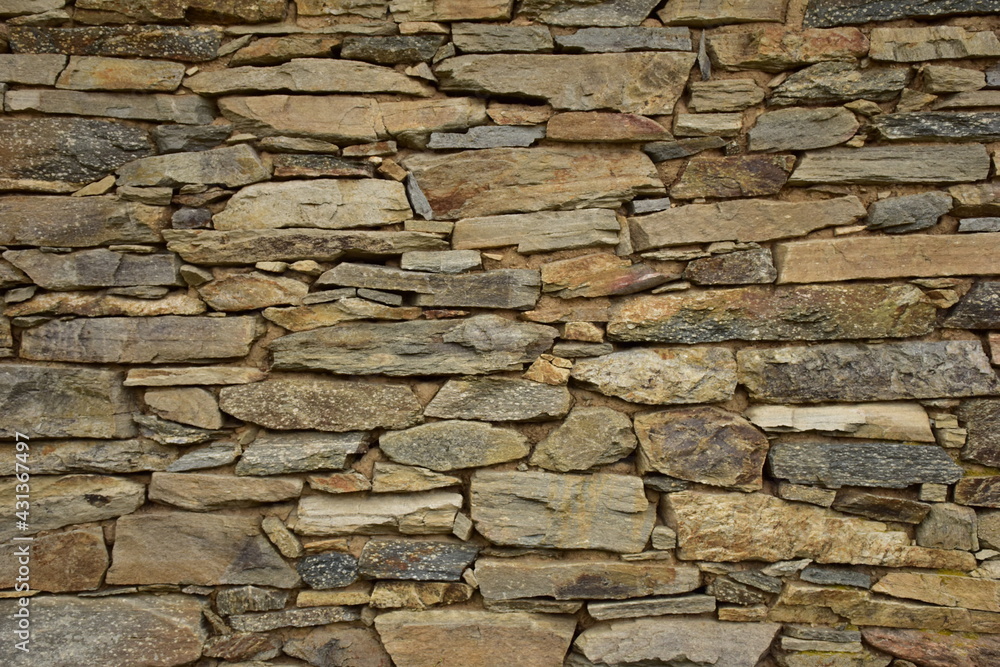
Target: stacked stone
x=582 y=333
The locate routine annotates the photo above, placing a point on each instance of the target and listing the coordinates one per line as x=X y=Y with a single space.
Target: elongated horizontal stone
x=541 y=231
x=234 y=11
x=435 y=115
x=304 y=451
x=601 y=274
x=308 y=75
x=939 y=126
x=921 y=255
x=885 y=465
x=942 y=589
x=951 y=648
x=481 y=344
x=736 y=176
x=451 y=445
x=838 y=82
x=468 y=10
x=167 y=377
x=602 y=126
x=415 y=560
x=802 y=129
x=418 y=594
x=428 y=513
x=289 y=245
x=499 y=399
x=78 y=222
x=173 y=43
x=188 y=109
x=306 y=318
x=894 y=164
x=726 y=95
x=752 y=220
x=617 y=40
x=30 y=69
x=97 y=73
x=95 y=268
x=537 y=509
x=575 y=83
x=324 y=405
x=978 y=491
x=881 y=507
x=856 y=372
x=832 y=12
x=328 y=117
x=577 y=12
x=205 y=492
x=96 y=456
x=763 y=313
x=491 y=136
x=776 y=48
x=881 y=421
x=396 y=478
x=292 y=618
x=513 y=578
x=232 y=167
x=657 y=606
x=140 y=340
x=480 y=38
x=931 y=43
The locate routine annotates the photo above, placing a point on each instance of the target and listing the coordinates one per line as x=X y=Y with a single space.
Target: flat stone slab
x=78 y=222
x=300 y=451
x=839 y=82
x=657 y=606
x=339 y=118
x=232 y=166
x=632 y=38
x=979 y=308
x=97 y=456
x=427 y=513
x=499 y=399
x=939 y=126
x=541 y=231
x=802 y=129
x=881 y=421
x=415 y=560
x=206 y=492
x=454 y=444
x=910 y=45
x=187 y=109
x=832 y=12
x=954 y=163
x=95 y=268
x=173 y=43
x=924 y=645
x=774 y=48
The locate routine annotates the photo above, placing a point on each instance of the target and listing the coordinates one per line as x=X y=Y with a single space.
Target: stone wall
x=469 y=333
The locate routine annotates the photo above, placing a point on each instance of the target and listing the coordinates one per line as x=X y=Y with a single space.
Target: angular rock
x=832 y=12
x=705 y=445
x=480 y=344
x=432 y=10
x=95 y=268
x=343 y=644
x=173 y=43
x=292 y=618
x=188 y=109
x=831 y=576
x=290 y=165
x=283 y=453
x=737 y=176
x=601 y=274
x=617 y=40
x=31 y=70
x=391 y=50
x=932 y=43
x=942 y=589
x=584 y=13
x=752 y=220
x=546 y=510
x=332 y=118
x=949 y=526
x=938 y=126
x=980 y=417
x=321 y=404
x=98 y=456
x=575 y=83
x=708 y=124
x=234 y=166
x=96 y=73
x=171 y=433
x=388 y=558
x=250 y=291
x=342 y=482
x=205 y=493
x=947 y=79
x=589 y=437
x=724 y=95
x=445 y=261
x=802 y=129
x=452 y=445
x=978 y=491
x=306 y=318
x=187 y=405
x=909 y=213
x=485 y=38
x=129 y=11
x=542 y=231
x=167 y=377
x=661 y=376
x=211 y=456
x=432 y=512
x=10 y=8
x=103 y=303
x=394 y=478
x=936 y=648
x=979 y=225
x=564 y=177
x=681 y=604
x=249 y=598
x=880 y=507
x=603 y=126
x=881 y=421
x=734 y=268
x=328 y=570
x=421 y=117
x=185 y=138
x=714 y=12
x=418 y=594
x=499 y=399
x=491 y=136
x=978 y=309
x=776 y=48
x=275 y=50
x=834 y=83
x=71 y=561
x=140 y=340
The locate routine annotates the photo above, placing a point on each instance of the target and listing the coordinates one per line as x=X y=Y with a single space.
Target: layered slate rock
x=480 y=344
x=601 y=511
x=172 y=43
x=428 y=513
x=978 y=309
x=541 y=231
x=115 y=631
x=71 y=561
x=292 y=618
x=418 y=594
x=499 y=399
x=737 y=176
x=731 y=526
x=303 y=451
x=929 y=645
x=63 y=402
x=661 y=376
x=198 y=375
x=321 y=404
x=95 y=268
x=587 y=438
x=78 y=222
x=941 y=589
x=204 y=550
x=328 y=570
x=479 y=38
x=712 y=12
x=418 y=118
x=96 y=73
x=981 y=418
x=454 y=444
x=978 y=491
x=909 y=213
x=188 y=405
x=415 y=560
x=601 y=274
x=327 y=117
x=100 y=456
x=140 y=340
x=857 y=372
x=102 y=303
x=232 y=167
x=249 y=291
x=473 y=638
x=939 y=126
x=932 y=43
x=757 y=313
x=742 y=267
x=583 y=13
x=236 y=11
x=704 y=444
x=205 y=493
x=833 y=12
x=894 y=164
x=802 y=129
x=344 y=643
x=305 y=318
x=188 y=109
x=32 y=70
x=751 y=220
x=617 y=40
x=776 y=49
x=881 y=421
x=431 y=10
x=886 y=465
x=835 y=83
x=561 y=177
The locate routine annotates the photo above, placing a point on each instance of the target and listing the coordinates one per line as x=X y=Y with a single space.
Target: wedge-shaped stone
x=442 y=10
x=98 y=456
x=585 y=13
x=96 y=73
x=187 y=109
x=601 y=274
x=370 y=9
x=885 y=465
x=833 y=12
x=30 y=69
x=617 y=40
x=187 y=405
x=168 y=377
x=83 y=550
x=481 y=344
x=140 y=340
x=514 y=578
x=103 y=303
x=197 y=549
x=920 y=255
x=955 y=163
x=324 y=405
x=713 y=12
x=542 y=231
x=939 y=126
x=910 y=45
x=172 y=43
x=305 y=451
x=418 y=594
x=978 y=309
x=725 y=95
x=451 y=445
x=752 y=220
x=578 y=82
x=249 y=291
x=329 y=117
x=881 y=421
x=835 y=82
x=232 y=167
x=438 y=115
x=116 y=631
x=474 y=638
x=322 y=204
x=588 y=437
x=499 y=399
x=981 y=418
x=231 y=11
x=395 y=478
x=306 y=318
x=662 y=376
x=602 y=126
x=415 y=560
x=565 y=177
x=764 y=313
x=551 y=511
x=78 y=222
x=658 y=606
x=802 y=129
x=293 y=618
x=95 y=268
x=736 y=176
x=880 y=507
x=857 y=372
x=776 y=48
x=978 y=491
x=63 y=402
x=206 y=493
x=427 y=513
x=930 y=646
x=942 y=589
x=308 y=75
x=732 y=526
x=675 y=641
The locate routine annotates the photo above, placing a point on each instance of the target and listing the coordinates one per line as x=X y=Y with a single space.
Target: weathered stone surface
x=949 y=526
x=601 y=274
x=184 y=138
x=391 y=50
x=982 y=199
x=538 y=509
x=948 y=79
x=491 y=136
x=211 y=456
x=435 y=10
x=275 y=50
x=117 y=631
x=499 y=399
x=932 y=43
x=978 y=309
x=564 y=177
x=473 y=638
x=939 y=126
x=205 y=492
x=60 y=562
x=714 y=12
x=589 y=437
x=340 y=644
x=802 y=129
x=283 y=453
x=978 y=491
x=188 y=109
x=575 y=83
x=204 y=549
x=187 y=405
x=753 y=220
x=942 y=589
x=603 y=126
x=542 y=231
x=63 y=402
x=584 y=13
x=981 y=417
x=675 y=640
x=291 y=165
x=172 y=43
x=887 y=465
x=99 y=456
x=388 y=558
x=95 y=268
x=934 y=648
x=233 y=166
x=250 y=291
x=242 y=599
x=661 y=376
x=31 y=70
x=480 y=344
x=170 y=433
x=485 y=38
x=395 y=478
x=166 y=377
x=881 y=421
x=831 y=576
x=103 y=303
x=333 y=118
x=445 y=261
x=324 y=405
x=724 y=95
x=708 y=124
x=328 y=570
x=292 y=618
x=737 y=176
x=418 y=594
x=451 y=445
x=96 y=73
x=139 y=340
x=232 y=11
x=921 y=255
x=617 y=40
x=909 y=213
x=341 y=482
x=306 y=318
x=732 y=526
x=742 y=267
x=658 y=606
x=421 y=117
x=704 y=444
x=10 y=8
x=834 y=82
x=776 y=49
x=432 y=512
x=832 y=12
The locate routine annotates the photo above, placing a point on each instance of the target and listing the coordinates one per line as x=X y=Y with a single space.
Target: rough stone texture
x=187 y=405
x=608 y=512
x=775 y=48
x=881 y=421
x=172 y=43
x=949 y=526
x=835 y=464
x=802 y=129
x=250 y=291
x=908 y=213
x=328 y=570
x=328 y=117
x=945 y=590
x=451 y=445
x=31 y=70
x=617 y=40
x=499 y=399
x=341 y=645
x=98 y=456
x=388 y=558
x=395 y=478
x=233 y=11
x=910 y=164
x=283 y=453
x=166 y=377
x=978 y=491
x=589 y=437
x=932 y=43
x=739 y=176
x=834 y=82
x=479 y=38
x=935 y=648
x=734 y=268
x=600 y=126
x=724 y=95
x=712 y=12
x=391 y=50
x=418 y=594
x=95 y=268
x=601 y=274
x=582 y=12
x=832 y=12
x=435 y=10
x=96 y=73
x=487 y=137
x=939 y=126
x=232 y=167
x=71 y=561
x=292 y=618
x=205 y=493
x=978 y=309
x=542 y=231
x=432 y=512
x=188 y=109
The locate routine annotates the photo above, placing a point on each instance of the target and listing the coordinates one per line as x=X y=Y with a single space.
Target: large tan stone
x=932 y=43
x=205 y=493
x=198 y=375
x=776 y=49
x=934 y=648
x=101 y=303
x=450 y=10
x=187 y=405
x=881 y=421
x=942 y=589
x=542 y=231
x=428 y=513
x=711 y=12
x=72 y=561
x=187 y=109
x=330 y=117
x=952 y=163
x=250 y=291
x=96 y=73
x=133 y=11
x=437 y=115
x=454 y=444
x=55 y=457
x=78 y=222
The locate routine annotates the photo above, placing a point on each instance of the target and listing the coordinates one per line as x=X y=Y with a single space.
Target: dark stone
x=387 y=558
x=909 y=213
x=978 y=309
x=880 y=508
x=826 y=13
x=978 y=491
x=665 y=484
x=329 y=570
x=757 y=580
x=185 y=44
x=292 y=165
x=188 y=138
x=736 y=176
x=835 y=82
x=391 y=50
x=993 y=76
x=835 y=576
x=661 y=151
x=933 y=647
x=743 y=267
x=191 y=218
x=242 y=599
x=727 y=590
x=823 y=634
x=939 y=126
x=981 y=417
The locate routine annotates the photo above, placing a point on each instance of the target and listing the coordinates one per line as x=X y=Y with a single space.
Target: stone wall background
x=464 y=332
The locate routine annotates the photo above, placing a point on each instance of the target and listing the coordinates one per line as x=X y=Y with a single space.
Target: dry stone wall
x=468 y=333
